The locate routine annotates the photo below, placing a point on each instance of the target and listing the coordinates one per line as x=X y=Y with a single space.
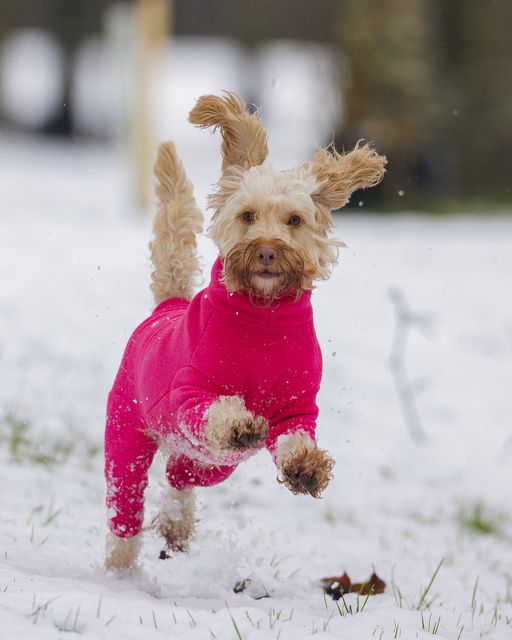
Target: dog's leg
x=176 y=519
x=122 y=553
x=129 y=452
x=304 y=467
x=231 y=426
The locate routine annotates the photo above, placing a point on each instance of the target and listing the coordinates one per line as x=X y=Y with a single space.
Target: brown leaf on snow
x=373 y=586
x=338 y=586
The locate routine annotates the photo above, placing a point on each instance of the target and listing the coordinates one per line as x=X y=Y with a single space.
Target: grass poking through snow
x=480 y=519
x=23 y=446
x=423 y=603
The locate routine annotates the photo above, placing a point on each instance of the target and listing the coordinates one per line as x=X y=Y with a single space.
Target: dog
x=213 y=378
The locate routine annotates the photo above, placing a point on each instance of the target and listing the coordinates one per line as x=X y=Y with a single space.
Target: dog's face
x=273 y=228
x=269 y=232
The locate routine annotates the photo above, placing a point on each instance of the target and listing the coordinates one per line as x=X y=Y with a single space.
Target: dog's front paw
x=232 y=427
x=248 y=433
x=305 y=469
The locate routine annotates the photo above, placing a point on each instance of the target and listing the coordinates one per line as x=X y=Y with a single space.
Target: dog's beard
x=286 y=275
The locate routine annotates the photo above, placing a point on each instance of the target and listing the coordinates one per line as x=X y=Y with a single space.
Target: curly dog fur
x=304 y=467
x=273 y=232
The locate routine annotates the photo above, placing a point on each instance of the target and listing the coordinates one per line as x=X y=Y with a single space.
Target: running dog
x=212 y=378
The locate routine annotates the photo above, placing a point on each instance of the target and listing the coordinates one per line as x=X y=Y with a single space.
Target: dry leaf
x=340 y=585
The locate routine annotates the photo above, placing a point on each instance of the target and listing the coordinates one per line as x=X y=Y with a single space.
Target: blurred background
x=415 y=323
x=427 y=80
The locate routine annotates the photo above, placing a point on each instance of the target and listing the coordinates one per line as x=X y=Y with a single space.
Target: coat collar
x=286 y=311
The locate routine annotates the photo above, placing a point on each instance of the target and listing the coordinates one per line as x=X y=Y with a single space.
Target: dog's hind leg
x=178 y=221
x=122 y=553
x=176 y=519
x=129 y=452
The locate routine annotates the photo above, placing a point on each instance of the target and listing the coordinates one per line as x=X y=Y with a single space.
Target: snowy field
x=74 y=284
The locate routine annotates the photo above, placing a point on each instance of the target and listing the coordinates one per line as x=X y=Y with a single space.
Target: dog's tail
x=178 y=221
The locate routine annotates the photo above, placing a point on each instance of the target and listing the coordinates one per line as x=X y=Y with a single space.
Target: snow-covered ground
x=74 y=283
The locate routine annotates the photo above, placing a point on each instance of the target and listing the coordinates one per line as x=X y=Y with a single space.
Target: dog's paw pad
x=308 y=481
x=308 y=472
x=248 y=434
x=302 y=482
x=244 y=440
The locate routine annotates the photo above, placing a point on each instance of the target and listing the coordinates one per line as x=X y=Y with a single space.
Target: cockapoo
x=213 y=378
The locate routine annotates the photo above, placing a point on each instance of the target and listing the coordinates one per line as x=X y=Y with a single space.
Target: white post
x=152 y=28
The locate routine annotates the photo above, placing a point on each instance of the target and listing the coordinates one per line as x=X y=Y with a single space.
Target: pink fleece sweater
x=178 y=362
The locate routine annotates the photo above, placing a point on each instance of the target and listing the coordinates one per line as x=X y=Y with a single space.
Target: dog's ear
x=340 y=174
x=244 y=140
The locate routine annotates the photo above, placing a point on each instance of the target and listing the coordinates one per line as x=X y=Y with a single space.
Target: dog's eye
x=293 y=221
x=248 y=216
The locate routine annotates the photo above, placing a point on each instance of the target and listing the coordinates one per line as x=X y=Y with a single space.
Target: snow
x=75 y=283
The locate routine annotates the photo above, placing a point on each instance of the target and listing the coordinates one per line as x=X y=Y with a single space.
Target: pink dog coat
x=181 y=360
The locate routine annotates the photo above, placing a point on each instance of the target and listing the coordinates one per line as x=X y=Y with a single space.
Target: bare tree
x=405 y=320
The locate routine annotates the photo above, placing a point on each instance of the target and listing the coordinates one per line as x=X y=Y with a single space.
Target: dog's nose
x=266 y=255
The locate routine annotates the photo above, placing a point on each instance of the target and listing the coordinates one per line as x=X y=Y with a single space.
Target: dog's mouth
x=267 y=285
x=266 y=274
x=264 y=283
